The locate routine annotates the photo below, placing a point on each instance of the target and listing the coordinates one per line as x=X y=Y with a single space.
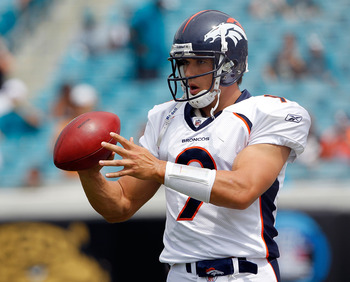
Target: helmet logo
x=230 y=30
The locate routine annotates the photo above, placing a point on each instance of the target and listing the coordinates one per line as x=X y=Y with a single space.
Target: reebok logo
x=293 y=118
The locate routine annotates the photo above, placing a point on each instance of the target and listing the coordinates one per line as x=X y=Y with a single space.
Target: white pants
x=178 y=273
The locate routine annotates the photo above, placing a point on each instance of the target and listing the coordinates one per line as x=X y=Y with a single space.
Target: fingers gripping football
x=136 y=160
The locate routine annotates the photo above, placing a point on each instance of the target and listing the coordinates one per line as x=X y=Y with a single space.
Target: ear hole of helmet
x=235 y=63
x=231 y=73
x=228 y=66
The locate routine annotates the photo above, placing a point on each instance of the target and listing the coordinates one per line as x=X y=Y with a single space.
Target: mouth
x=194 y=89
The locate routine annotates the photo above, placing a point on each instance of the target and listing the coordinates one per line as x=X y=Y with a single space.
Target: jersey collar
x=189 y=110
x=244 y=95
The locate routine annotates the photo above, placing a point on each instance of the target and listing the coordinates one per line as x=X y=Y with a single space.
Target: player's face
x=193 y=67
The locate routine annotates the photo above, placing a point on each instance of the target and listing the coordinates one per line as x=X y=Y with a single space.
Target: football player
x=219 y=153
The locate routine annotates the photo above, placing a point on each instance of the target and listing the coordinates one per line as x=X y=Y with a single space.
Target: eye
x=181 y=62
x=204 y=62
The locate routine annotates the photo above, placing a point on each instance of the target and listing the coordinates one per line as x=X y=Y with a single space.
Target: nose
x=189 y=69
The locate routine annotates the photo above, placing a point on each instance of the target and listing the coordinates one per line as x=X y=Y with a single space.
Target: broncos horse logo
x=229 y=30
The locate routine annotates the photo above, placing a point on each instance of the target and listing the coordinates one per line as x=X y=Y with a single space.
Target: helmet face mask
x=178 y=75
x=212 y=35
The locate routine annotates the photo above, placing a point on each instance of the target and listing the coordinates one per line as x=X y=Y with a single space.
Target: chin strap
x=216 y=105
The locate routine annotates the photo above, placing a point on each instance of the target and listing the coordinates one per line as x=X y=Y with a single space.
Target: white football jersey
x=196 y=230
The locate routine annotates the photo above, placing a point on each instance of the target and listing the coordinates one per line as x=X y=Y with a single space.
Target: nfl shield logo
x=197 y=122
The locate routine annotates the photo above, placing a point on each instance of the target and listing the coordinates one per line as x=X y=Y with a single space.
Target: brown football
x=78 y=146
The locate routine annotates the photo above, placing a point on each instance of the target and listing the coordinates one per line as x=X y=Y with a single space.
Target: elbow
x=115 y=213
x=111 y=215
x=117 y=216
x=237 y=193
x=237 y=202
x=246 y=193
x=243 y=200
x=243 y=204
x=248 y=198
x=115 y=219
x=110 y=219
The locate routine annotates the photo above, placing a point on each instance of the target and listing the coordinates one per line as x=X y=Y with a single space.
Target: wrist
x=160 y=171
x=90 y=173
x=192 y=181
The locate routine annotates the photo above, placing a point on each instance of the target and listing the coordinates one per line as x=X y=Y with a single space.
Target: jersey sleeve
x=155 y=122
x=148 y=139
x=281 y=122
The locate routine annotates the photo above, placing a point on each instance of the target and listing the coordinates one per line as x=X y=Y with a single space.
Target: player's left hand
x=136 y=160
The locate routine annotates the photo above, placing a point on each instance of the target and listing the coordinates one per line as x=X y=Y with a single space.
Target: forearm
x=104 y=196
x=237 y=188
x=248 y=179
x=234 y=191
x=221 y=188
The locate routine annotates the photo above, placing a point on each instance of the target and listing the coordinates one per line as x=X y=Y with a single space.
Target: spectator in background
x=290 y=10
x=12 y=11
x=19 y=121
x=319 y=66
x=303 y=9
x=82 y=98
x=335 y=142
x=20 y=118
x=287 y=64
x=267 y=9
x=89 y=36
x=33 y=177
x=6 y=62
x=96 y=38
x=6 y=104
x=9 y=16
x=1 y=159
x=62 y=106
x=75 y=101
x=148 y=39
